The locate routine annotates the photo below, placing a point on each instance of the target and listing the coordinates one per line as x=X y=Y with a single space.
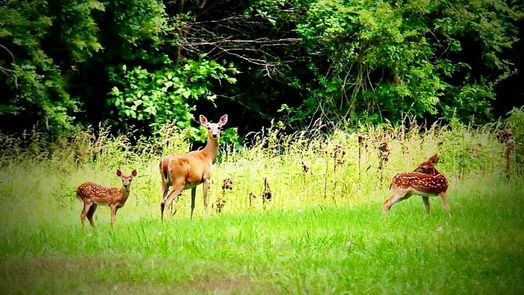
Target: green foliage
x=516 y=122
x=35 y=86
x=139 y=25
x=404 y=58
x=158 y=97
x=40 y=90
x=75 y=28
x=66 y=63
x=48 y=48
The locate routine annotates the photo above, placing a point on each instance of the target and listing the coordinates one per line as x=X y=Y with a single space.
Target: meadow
x=318 y=227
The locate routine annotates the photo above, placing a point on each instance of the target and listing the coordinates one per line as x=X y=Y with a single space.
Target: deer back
x=422 y=182
x=100 y=194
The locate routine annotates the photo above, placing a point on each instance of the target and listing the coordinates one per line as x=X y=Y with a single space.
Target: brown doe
x=186 y=171
x=92 y=195
x=425 y=181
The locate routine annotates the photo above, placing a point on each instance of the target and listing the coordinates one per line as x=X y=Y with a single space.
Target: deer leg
x=172 y=208
x=387 y=204
x=113 y=214
x=85 y=209
x=426 y=203
x=444 y=201
x=206 y=200
x=165 y=185
x=173 y=193
x=193 y=197
x=395 y=198
x=90 y=214
x=165 y=189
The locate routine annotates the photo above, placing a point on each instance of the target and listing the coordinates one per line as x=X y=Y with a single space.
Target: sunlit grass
x=322 y=232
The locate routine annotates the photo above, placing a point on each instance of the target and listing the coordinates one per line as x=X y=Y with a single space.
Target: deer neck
x=434 y=172
x=211 y=149
x=124 y=194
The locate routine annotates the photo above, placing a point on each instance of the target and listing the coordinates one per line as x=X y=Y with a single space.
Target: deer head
x=213 y=129
x=126 y=180
x=428 y=167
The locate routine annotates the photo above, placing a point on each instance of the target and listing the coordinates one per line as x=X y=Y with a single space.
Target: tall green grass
x=322 y=232
x=302 y=169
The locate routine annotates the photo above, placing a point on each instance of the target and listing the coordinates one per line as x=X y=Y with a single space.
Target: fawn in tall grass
x=425 y=181
x=92 y=195
x=186 y=171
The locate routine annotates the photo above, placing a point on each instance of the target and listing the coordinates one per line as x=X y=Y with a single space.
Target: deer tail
x=164 y=170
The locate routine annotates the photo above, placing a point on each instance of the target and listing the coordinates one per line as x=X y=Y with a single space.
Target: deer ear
x=118 y=173
x=434 y=159
x=203 y=120
x=133 y=173
x=223 y=120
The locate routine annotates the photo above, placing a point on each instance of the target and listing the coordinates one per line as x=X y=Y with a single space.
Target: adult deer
x=186 y=171
x=92 y=195
x=425 y=181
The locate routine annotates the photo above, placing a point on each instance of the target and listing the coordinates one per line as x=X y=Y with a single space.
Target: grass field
x=323 y=231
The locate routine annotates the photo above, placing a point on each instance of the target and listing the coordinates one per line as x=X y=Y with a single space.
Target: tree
x=141 y=63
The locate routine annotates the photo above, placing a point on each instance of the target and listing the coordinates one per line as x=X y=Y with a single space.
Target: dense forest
x=139 y=64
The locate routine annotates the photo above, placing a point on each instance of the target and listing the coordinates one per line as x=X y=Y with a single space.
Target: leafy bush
x=155 y=98
x=389 y=60
x=516 y=122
